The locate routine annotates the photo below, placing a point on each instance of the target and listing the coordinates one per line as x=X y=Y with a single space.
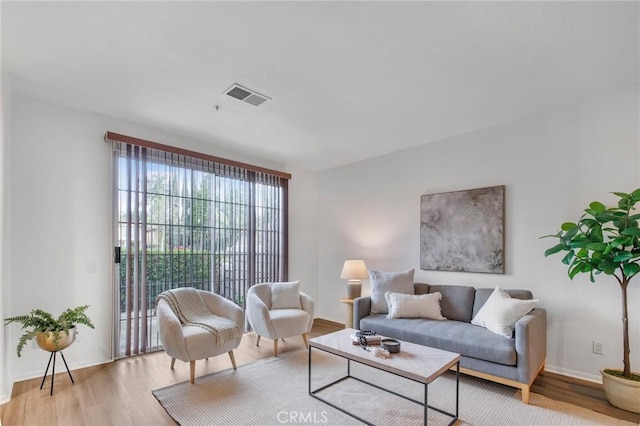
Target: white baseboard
x=572 y=373
x=75 y=366
x=332 y=319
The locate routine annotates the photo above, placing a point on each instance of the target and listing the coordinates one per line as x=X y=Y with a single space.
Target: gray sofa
x=514 y=362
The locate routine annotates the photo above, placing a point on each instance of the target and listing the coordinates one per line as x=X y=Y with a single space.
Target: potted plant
x=52 y=334
x=607 y=240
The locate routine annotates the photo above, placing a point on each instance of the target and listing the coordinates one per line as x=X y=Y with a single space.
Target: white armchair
x=191 y=343
x=279 y=310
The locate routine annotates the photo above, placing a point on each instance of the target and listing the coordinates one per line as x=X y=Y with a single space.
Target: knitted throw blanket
x=192 y=311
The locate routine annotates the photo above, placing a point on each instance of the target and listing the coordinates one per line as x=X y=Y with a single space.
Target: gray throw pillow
x=382 y=282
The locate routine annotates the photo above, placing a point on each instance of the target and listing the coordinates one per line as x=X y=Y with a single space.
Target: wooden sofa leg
x=275 y=347
x=233 y=360
x=524 y=388
x=526 y=391
x=192 y=368
x=173 y=362
x=304 y=337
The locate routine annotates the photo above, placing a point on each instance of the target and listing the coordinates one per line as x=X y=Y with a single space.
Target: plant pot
x=623 y=393
x=45 y=340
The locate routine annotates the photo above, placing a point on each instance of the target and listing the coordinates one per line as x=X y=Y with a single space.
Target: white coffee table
x=421 y=364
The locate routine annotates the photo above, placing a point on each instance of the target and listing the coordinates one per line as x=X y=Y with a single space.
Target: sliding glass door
x=188 y=222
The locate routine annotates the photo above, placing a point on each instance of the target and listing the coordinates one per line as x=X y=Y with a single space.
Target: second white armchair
x=279 y=310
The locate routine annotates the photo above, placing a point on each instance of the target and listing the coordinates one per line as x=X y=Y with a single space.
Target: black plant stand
x=53 y=372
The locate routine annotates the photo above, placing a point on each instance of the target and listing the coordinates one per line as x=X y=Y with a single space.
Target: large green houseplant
x=607 y=240
x=41 y=323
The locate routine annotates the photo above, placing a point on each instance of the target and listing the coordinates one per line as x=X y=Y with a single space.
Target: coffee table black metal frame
x=349 y=376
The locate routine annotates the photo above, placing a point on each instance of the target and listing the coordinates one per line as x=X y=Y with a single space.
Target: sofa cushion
x=420 y=288
x=382 y=282
x=454 y=336
x=482 y=294
x=457 y=301
x=500 y=313
x=414 y=306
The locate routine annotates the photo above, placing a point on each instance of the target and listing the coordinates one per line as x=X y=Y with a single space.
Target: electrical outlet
x=90 y=267
x=597 y=347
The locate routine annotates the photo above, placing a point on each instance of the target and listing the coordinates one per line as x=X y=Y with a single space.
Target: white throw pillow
x=414 y=306
x=500 y=312
x=382 y=282
x=285 y=295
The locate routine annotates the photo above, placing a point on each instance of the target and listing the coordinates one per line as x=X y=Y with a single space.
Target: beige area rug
x=275 y=392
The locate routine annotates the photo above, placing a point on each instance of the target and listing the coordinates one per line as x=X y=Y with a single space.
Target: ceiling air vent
x=246 y=95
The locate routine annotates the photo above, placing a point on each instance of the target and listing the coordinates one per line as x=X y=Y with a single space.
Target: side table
x=349 y=303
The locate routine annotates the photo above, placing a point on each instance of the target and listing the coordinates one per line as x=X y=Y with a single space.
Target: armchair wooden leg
x=275 y=347
x=258 y=341
x=173 y=362
x=233 y=360
x=192 y=368
x=304 y=337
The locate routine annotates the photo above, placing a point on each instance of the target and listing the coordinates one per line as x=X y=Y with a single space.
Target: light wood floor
x=119 y=393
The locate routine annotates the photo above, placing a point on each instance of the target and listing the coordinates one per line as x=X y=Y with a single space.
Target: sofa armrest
x=361 y=309
x=531 y=344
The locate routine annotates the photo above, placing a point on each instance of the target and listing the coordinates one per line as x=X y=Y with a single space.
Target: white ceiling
x=349 y=80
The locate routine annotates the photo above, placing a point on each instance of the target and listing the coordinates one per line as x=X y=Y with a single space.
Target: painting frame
x=463 y=231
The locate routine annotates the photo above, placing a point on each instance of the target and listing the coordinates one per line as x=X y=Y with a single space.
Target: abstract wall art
x=463 y=231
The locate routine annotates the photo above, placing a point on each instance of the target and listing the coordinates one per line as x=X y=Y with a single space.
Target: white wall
x=303 y=230
x=5 y=168
x=552 y=164
x=61 y=218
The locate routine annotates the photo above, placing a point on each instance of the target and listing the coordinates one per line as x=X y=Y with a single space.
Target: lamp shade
x=354 y=270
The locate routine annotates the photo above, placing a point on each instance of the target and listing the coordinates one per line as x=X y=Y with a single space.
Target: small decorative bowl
x=392 y=345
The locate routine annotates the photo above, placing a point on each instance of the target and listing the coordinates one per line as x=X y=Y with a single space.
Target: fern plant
x=38 y=321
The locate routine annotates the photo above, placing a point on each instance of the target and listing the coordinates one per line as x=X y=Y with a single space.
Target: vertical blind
x=184 y=221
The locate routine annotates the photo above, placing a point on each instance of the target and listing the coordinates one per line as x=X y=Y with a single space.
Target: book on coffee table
x=371 y=340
